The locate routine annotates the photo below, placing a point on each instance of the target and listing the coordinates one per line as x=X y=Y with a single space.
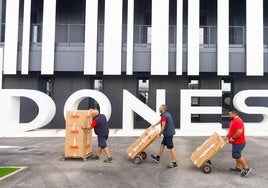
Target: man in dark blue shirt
x=168 y=130
x=101 y=129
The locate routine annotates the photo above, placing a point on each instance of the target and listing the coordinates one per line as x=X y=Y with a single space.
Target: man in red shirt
x=236 y=137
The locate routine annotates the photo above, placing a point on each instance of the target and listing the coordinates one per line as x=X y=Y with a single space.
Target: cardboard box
x=207 y=150
x=147 y=137
x=74 y=130
x=78 y=117
x=78 y=144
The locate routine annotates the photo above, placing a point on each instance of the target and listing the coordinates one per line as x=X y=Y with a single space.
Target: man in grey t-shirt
x=168 y=130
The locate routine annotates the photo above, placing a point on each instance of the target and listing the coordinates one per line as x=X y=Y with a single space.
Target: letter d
x=10 y=110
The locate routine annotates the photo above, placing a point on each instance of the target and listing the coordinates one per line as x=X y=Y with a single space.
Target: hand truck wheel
x=206 y=168
x=138 y=159
x=143 y=155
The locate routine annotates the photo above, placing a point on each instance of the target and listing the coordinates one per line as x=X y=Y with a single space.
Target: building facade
x=61 y=46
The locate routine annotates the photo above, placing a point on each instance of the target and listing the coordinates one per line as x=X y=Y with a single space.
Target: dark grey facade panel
x=208 y=59
x=113 y=88
x=71 y=61
x=70 y=58
x=266 y=62
x=64 y=85
x=172 y=84
x=237 y=62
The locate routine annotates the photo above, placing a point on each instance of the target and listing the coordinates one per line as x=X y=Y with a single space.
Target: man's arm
x=157 y=123
x=163 y=125
x=236 y=135
x=91 y=125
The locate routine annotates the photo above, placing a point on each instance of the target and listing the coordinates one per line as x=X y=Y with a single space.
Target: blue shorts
x=102 y=141
x=237 y=150
x=168 y=141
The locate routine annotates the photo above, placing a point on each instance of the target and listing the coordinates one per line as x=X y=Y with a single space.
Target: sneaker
x=108 y=160
x=172 y=165
x=156 y=158
x=237 y=170
x=95 y=157
x=246 y=172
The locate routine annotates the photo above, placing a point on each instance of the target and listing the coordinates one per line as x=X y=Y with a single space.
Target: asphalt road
x=44 y=167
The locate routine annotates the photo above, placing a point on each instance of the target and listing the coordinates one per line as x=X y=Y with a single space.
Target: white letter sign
x=10 y=109
x=73 y=101
x=187 y=127
x=240 y=104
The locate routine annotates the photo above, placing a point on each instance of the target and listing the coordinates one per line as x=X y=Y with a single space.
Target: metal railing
x=67 y=34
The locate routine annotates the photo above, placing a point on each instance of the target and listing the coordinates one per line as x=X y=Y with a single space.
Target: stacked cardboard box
x=78 y=142
x=207 y=150
x=148 y=136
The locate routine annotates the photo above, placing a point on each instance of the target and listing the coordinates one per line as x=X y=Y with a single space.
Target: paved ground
x=45 y=168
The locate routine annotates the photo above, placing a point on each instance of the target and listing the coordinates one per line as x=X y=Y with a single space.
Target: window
x=143 y=95
x=143 y=90
x=194 y=84
x=45 y=84
x=97 y=85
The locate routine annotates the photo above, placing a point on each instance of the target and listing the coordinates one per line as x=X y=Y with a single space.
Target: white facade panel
x=193 y=37
x=223 y=38
x=179 y=41
x=91 y=29
x=48 y=38
x=112 y=37
x=254 y=37
x=130 y=29
x=26 y=37
x=160 y=31
x=11 y=36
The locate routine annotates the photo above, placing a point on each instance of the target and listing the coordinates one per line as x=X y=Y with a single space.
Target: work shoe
x=172 y=165
x=108 y=160
x=246 y=172
x=237 y=170
x=95 y=157
x=156 y=158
